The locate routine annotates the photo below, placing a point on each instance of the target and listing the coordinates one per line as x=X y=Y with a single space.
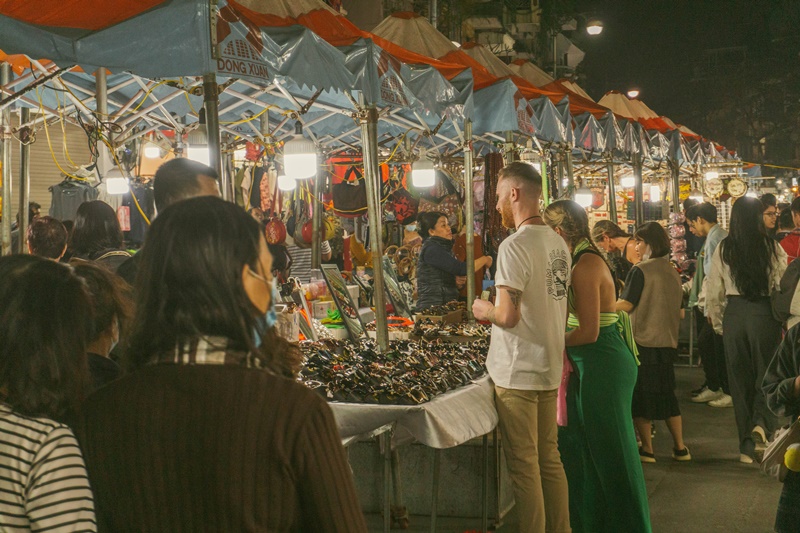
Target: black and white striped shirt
x=43 y=480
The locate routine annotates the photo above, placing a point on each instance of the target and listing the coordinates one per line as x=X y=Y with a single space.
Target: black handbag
x=350 y=197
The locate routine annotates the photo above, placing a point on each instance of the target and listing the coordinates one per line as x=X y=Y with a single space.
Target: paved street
x=714 y=492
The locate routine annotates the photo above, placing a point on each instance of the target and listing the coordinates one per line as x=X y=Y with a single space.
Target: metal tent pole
x=5 y=160
x=545 y=182
x=638 y=191
x=570 y=172
x=101 y=87
x=469 y=214
x=24 y=184
x=316 y=220
x=368 y=120
x=211 y=105
x=612 y=193
x=676 y=186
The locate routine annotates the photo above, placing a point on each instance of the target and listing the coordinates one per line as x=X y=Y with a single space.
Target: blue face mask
x=270 y=318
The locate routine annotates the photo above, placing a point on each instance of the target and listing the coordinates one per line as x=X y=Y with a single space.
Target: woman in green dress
x=598 y=444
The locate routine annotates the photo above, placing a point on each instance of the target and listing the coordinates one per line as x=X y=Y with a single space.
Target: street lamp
x=594 y=27
x=633 y=93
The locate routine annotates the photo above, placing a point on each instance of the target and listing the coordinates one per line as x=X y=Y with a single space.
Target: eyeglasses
x=771 y=214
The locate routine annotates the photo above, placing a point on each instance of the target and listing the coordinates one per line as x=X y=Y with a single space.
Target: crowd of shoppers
x=152 y=393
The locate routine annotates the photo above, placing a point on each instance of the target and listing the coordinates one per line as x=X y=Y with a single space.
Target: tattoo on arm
x=516 y=297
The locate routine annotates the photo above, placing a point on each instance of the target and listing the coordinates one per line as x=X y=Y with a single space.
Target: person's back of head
x=191 y=283
x=523 y=176
x=181 y=179
x=786 y=220
x=655 y=236
x=45 y=321
x=769 y=200
x=96 y=229
x=689 y=202
x=47 y=237
x=111 y=305
x=703 y=210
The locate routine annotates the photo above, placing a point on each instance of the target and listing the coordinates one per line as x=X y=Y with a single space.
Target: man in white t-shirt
x=526 y=352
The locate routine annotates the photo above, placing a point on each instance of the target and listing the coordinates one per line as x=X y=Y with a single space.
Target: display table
x=446 y=421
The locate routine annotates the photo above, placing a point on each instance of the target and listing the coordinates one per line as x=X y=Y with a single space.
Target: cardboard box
x=453 y=317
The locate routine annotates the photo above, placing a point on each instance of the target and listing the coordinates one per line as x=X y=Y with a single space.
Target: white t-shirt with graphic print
x=529 y=356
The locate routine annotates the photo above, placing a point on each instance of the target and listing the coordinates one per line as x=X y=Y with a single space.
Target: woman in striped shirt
x=44 y=324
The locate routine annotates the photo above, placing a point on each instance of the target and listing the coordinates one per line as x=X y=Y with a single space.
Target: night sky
x=654 y=45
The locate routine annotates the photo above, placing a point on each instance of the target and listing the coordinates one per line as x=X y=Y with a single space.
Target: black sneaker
x=646 y=457
x=682 y=455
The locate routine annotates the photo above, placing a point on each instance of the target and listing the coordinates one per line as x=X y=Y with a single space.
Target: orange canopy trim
x=339 y=31
x=78 y=14
x=577 y=103
x=406 y=15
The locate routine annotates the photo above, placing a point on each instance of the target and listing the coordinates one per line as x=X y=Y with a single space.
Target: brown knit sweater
x=196 y=448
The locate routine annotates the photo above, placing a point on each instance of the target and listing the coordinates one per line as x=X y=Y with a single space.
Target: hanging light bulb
x=197 y=141
x=695 y=194
x=299 y=155
x=655 y=193
x=115 y=182
x=152 y=152
x=711 y=175
x=287 y=183
x=627 y=182
x=584 y=197
x=423 y=173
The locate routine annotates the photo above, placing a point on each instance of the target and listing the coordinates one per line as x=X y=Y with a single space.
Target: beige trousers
x=530 y=440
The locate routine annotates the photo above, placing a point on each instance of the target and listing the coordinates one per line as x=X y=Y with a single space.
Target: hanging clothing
x=67 y=196
x=255 y=189
x=144 y=195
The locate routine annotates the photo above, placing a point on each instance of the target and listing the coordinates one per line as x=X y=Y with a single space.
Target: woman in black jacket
x=781 y=387
x=97 y=235
x=437 y=268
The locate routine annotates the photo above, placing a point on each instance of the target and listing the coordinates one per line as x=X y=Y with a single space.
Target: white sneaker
x=723 y=401
x=759 y=435
x=746 y=459
x=707 y=396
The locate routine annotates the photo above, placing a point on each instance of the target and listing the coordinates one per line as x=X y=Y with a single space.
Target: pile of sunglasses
x=410 y=373
x=441 y=310
x=429 y=329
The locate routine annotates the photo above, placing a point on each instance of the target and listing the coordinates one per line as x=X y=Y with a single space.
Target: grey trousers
x=751 y=337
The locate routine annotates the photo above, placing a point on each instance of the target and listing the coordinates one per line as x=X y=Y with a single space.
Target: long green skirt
x=598 y=446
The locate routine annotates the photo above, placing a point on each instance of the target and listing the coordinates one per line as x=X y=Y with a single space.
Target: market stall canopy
x=499 y=104
x=578 y=102
x=530 y=72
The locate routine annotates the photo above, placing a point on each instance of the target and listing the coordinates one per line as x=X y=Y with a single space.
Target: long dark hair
x=747 y=249
x=96 y=229
x=189 y=284
x=45 y=322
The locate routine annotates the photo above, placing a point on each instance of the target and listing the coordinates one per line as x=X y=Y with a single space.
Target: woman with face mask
x=211 y=428
x=653 y=296
x=111 y=314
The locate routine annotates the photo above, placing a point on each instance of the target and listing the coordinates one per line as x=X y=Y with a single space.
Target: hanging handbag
x=772 y=464
x=275 y=229
x=350 y=196
x=302 y=219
